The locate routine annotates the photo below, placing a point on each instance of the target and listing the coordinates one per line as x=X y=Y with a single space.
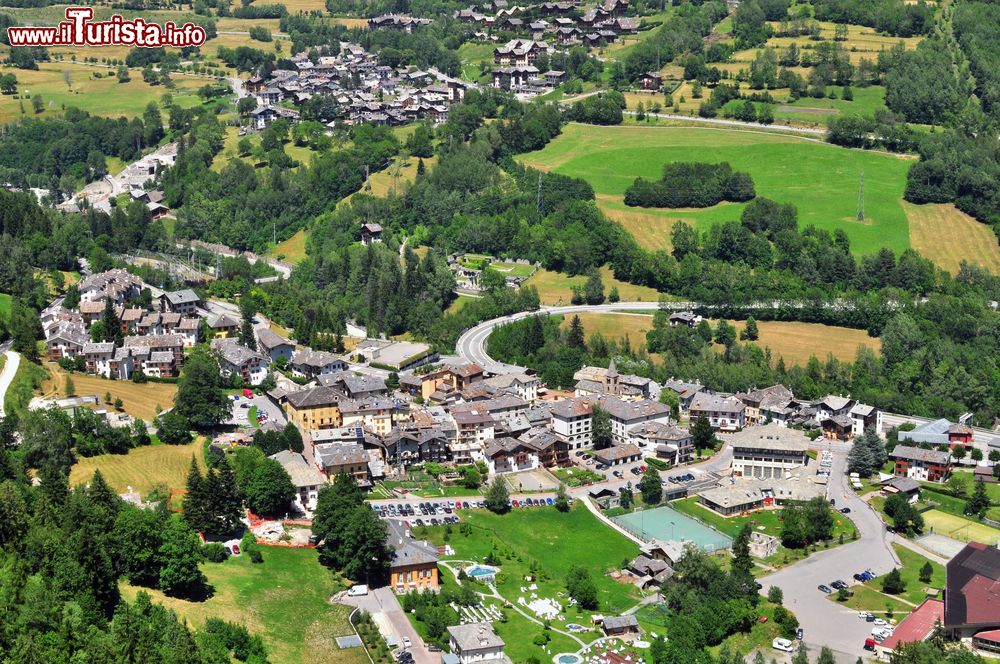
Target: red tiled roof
x=918 y=625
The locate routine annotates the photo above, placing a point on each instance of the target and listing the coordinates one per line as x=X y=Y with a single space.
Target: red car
x=247 y=393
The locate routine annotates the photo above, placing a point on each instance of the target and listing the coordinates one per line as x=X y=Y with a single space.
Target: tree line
x=691 y=184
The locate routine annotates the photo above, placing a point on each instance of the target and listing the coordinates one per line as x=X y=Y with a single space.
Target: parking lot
x=441 y=512
x=266 y=410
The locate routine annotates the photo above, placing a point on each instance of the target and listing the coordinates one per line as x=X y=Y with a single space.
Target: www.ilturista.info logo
x=79 y=30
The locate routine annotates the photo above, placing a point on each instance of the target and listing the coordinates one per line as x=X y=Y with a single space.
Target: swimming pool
x=667 y=524
x=481 y=572
x=567 y=658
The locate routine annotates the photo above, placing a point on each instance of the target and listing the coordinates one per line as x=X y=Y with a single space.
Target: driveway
x=386 y=611
x=824 y=622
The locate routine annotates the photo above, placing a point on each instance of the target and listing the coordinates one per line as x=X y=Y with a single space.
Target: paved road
x=736 y=124
x=383 y=605
x=825 y=623
x=7 y=376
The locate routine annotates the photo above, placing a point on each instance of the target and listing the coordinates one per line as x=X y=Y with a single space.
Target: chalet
x=235 y=359
x=864 y=417
x=653 y=80
x=685 y=392
x=66 y=341
x=263 y=116
x=624 y=627
x=553 y=78
x=521 y=384
x=513 y=78
x=412 y=444
x=618 y=455
x=755 y=399
x=516 y=52
x=349 y=459
x=566 y=36
x=184 y=302
x=723 y=413
x=371 y=233
x=397 y=22
x=118 y=285
x=921 y=464
x=473 y=428
x=906 y=486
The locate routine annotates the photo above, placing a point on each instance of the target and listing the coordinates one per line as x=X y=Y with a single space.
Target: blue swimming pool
x=480 y=572
x=568 y=658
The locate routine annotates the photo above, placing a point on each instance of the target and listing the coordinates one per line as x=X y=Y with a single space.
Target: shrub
x=215 y=552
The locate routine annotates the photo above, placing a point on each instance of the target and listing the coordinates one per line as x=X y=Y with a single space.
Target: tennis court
x=666 y=524
x=955 y=527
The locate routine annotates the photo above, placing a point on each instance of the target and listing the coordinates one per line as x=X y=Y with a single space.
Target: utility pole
x=861 y=198
x=538 y=203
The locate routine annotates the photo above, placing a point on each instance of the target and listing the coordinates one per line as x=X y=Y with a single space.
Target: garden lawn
x=138 y=399
x=284 y=600
x=820 y=179
x=910 y=572
x=867 y=598
x=143 y=468
x=550 y=542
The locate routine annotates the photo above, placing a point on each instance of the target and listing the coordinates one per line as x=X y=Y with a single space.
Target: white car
x=406 y=642
x=358 y=591
x=782 y=644
x=864 y=615
x=879 y=622
x=881 y=634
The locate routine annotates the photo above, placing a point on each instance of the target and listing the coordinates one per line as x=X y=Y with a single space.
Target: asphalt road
x=382 y=604
x=824 y=622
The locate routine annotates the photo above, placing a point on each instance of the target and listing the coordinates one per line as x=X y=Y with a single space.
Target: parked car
x=799 y=633
x=359 y=590
x=880 y=622
x=845 y=510
x=406 y=642
x=314 y=539
x=838 y=584
x=782 y=644
x=824 y=589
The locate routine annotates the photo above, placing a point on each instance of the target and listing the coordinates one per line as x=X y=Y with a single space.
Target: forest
x=692 y=184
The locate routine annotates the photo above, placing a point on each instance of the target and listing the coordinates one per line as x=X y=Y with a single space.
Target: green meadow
x=820 y=179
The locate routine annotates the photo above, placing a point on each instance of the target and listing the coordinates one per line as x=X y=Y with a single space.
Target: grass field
x=948 y=236
x=143 y=468
x=820 y=179
x=394 y=179
x=556 y=287
x=869 y=596
x=458 y=304
x=793 y=341
x=5 y=302
x=28 y=377
x=101 y=96
x=140 y=400
x=284 y=600
x=956 y=527
x=293 y=249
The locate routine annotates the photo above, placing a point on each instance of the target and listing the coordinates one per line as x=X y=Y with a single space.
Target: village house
x=939 y=432
x=223 y=325
x=685 y=392
x=618 y=455
x=117 y=285
x=475 y=643
x=414 y=564
x=473 y=428
x=670 y=443
x=67 y=340
x=311 y=364
x=653 y=81
x=306 y=479
x=739 y=495
x=921 y=464
x=315 y=408
x=371 y=233
x=349 y=459
x=601 y=381
x=518 y=52
x=573 y=420
x=235 y=359
x=184 y=302
x=625 y=415
x=765 y=397
x=356 y=386
x=411 y=444
x=723 y=413
x=274 y=345
x=521 y=384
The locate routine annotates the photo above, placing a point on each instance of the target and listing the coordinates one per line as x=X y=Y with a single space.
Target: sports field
x=143 y=468
x=666 y=523
x=955 y=527
x=948 y=236
x=822 y=180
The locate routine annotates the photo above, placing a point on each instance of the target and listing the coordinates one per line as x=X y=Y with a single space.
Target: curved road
x=472 y=345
